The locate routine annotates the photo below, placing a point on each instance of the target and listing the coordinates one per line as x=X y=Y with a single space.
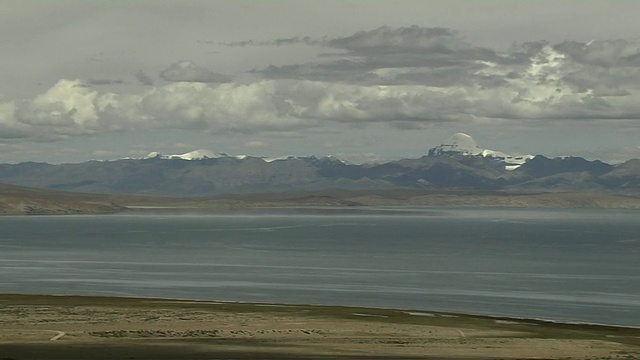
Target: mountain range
x=457 y=164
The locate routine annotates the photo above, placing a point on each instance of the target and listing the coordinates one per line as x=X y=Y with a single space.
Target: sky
x=364 y=80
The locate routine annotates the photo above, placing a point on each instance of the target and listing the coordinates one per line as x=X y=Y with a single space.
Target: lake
x=562 y=265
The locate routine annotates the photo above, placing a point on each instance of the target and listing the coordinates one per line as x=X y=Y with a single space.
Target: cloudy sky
x=360 y=79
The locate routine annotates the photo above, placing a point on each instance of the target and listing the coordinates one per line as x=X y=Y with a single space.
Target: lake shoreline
x=16 y=200
x=418 y=312
x=151 y=328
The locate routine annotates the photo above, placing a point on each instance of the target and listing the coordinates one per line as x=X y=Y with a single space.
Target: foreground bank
x=73 y=327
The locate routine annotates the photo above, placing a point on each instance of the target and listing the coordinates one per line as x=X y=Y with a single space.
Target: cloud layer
x=406 y=77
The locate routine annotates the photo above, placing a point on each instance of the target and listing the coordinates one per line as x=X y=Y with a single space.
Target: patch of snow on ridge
x=464 y=144
x=279 y=158
x=198 y=155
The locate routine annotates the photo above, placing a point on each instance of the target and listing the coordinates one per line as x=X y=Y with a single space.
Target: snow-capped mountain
x=467 y=167
x=464 y=144
x=203 y=154
x=199 y=154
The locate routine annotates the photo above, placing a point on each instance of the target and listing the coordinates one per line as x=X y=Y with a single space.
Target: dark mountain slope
x=541 y=166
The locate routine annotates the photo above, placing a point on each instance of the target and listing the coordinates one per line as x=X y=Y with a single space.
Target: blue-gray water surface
x=563 y=265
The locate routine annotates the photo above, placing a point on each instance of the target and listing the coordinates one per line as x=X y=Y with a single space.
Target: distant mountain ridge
x=456 y=164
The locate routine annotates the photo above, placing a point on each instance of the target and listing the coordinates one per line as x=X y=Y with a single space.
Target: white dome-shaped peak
x=199 y=155
x=153 y=155
x=462 y=141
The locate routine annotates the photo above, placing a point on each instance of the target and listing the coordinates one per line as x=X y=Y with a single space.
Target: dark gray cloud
x=366 y=52
x=604 y=82
x=384 y=39
x=12 y=133
x=412 y=39
x=143 y=78
x=307 y=40
x=608 y=54
x=188 y=71
x=104 y=81
x=338 y=70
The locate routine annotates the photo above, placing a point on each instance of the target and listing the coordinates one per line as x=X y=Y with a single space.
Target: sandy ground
x=55 y=327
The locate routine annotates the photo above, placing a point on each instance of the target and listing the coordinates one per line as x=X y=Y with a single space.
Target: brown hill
x=18 y=200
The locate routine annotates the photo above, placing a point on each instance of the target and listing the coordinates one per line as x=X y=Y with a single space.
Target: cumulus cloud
x=71 y=108
x=188 y=71
x=244 y=108
x=68 y=108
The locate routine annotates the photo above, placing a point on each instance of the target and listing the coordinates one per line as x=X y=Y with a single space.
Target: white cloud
x=71 y=108
x=260 y=106
x=66 y=104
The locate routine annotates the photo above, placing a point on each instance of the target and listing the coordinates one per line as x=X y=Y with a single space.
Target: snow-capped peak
x=464 y=144
x=200 y=154
x=458 y=143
